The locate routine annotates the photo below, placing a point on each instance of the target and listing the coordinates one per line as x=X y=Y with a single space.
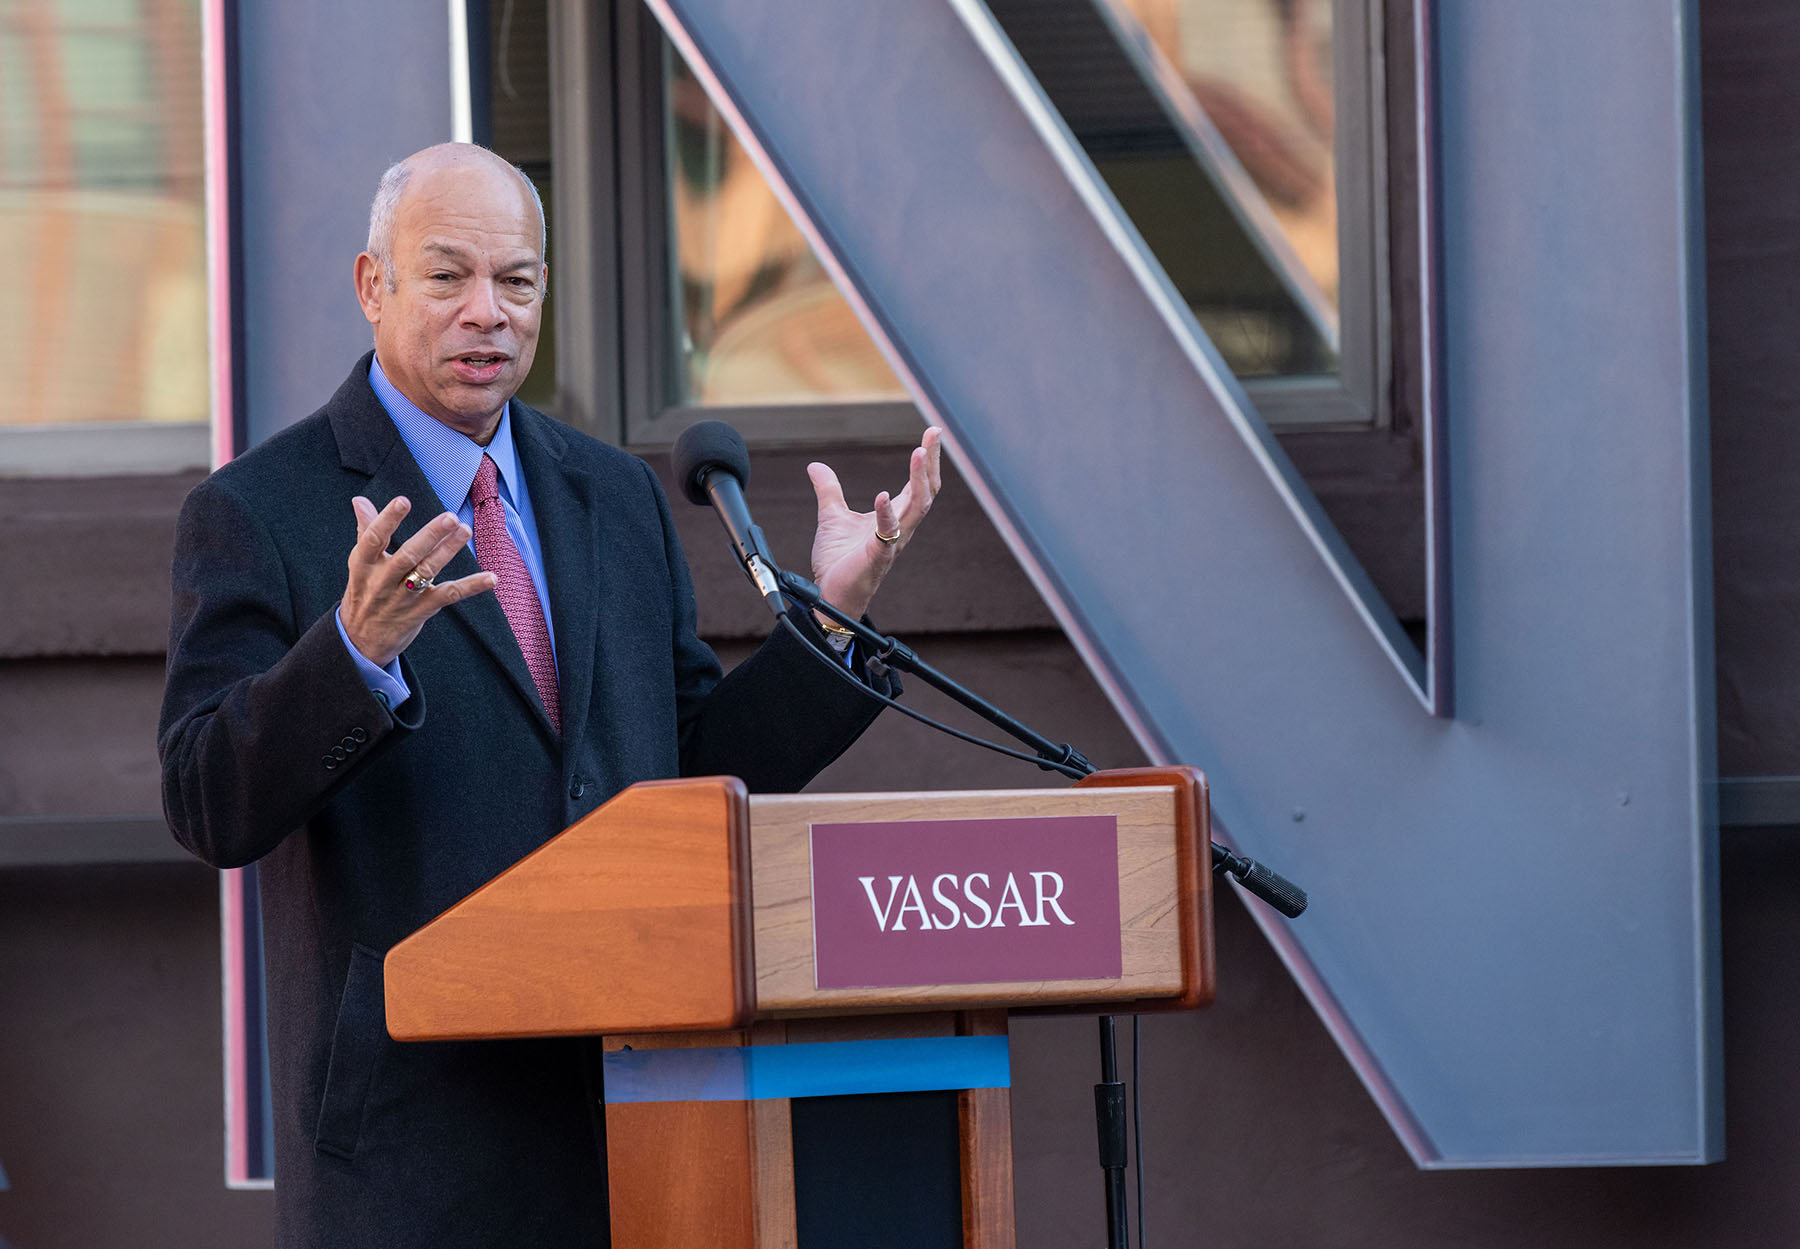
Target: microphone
x=712 y=465
x=1269 y=885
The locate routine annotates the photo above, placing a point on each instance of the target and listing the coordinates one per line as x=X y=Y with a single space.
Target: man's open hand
x=852 y=551
x=381 y=615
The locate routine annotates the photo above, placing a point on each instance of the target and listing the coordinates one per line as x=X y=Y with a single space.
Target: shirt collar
x=448 y=459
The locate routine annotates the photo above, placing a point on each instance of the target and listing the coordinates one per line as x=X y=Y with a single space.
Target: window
x=757 y=318
x=101 y=196
x=739 y=320
x=1240 y=137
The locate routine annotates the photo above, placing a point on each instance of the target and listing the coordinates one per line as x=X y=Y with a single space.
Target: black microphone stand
x=1283 y=895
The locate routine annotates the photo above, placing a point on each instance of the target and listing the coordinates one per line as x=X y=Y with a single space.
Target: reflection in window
x=1261 y=71
x=1211 y=122
x=761 y=322
x=101 y=203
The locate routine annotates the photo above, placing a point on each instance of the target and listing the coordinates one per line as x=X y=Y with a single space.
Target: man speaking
x=415 y=635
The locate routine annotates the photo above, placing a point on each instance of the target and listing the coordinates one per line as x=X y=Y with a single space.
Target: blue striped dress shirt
x=449 y=461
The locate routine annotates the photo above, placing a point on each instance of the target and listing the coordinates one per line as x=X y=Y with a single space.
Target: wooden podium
x=682 y=914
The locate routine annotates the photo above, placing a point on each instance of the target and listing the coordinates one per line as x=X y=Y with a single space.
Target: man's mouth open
x=477 y=369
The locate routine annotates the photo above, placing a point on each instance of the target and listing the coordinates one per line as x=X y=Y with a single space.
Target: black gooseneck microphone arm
x=1270 y=886
x=712 y=465
x=1110 y=1094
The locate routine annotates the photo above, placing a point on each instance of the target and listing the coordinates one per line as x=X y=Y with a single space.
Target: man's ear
x=370 y=286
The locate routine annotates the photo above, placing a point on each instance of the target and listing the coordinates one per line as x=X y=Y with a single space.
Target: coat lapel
x=369 y=443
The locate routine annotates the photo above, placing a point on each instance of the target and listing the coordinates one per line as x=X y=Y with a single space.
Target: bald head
x=463 y=157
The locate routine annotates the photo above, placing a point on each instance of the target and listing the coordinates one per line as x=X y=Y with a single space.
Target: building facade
x=1380 y=404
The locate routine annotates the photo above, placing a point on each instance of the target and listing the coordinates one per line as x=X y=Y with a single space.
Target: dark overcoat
x=366 y=823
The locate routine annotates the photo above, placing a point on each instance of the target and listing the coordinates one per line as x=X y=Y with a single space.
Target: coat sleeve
x=777 y=719
x=264 y=716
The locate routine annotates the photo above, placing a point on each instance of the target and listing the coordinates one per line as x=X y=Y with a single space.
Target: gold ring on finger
x=887 y=539
x=417 y=581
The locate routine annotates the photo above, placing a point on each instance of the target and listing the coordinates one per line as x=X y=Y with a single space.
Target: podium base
x=930 y=1168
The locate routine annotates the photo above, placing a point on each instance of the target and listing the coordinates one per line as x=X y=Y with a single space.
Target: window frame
x=104 y=448
x=654 y=414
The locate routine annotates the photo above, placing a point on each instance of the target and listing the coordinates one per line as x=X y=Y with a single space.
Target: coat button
x=330 y=763
x=337 y=752
x=349 y=743
x=577 y=787
x=359 y=735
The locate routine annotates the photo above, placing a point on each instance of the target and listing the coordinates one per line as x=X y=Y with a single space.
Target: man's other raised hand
x=853 y=551
x=381 y=616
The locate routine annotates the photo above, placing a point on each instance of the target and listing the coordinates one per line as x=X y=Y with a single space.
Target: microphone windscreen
x=1275 y=889
x=705 y=446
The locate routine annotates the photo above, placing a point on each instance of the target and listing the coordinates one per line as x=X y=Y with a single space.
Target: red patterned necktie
x=495 y=553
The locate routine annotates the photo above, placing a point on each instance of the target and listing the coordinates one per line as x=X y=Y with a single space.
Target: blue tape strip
x=828 y=1069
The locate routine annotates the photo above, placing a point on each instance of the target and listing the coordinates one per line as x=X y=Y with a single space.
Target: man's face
x=457 y=333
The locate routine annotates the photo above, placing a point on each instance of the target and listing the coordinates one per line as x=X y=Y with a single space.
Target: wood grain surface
x=633 y=920
x=985 y=1117
x=772 y=1155
x=682 y=1174
x=1193 y=878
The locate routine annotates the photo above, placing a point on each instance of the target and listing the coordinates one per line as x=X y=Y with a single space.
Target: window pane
x=1262 y=72
x=104 y=70
x=20 y=139
x=95 y=12
x=511 y=114
x=101 y=197
x=759 y=319
x=1211 y=121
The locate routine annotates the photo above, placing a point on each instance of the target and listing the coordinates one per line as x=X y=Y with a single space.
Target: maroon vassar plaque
x=918 y=902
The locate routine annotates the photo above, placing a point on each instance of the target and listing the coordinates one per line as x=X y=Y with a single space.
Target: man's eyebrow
x=454 y=252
